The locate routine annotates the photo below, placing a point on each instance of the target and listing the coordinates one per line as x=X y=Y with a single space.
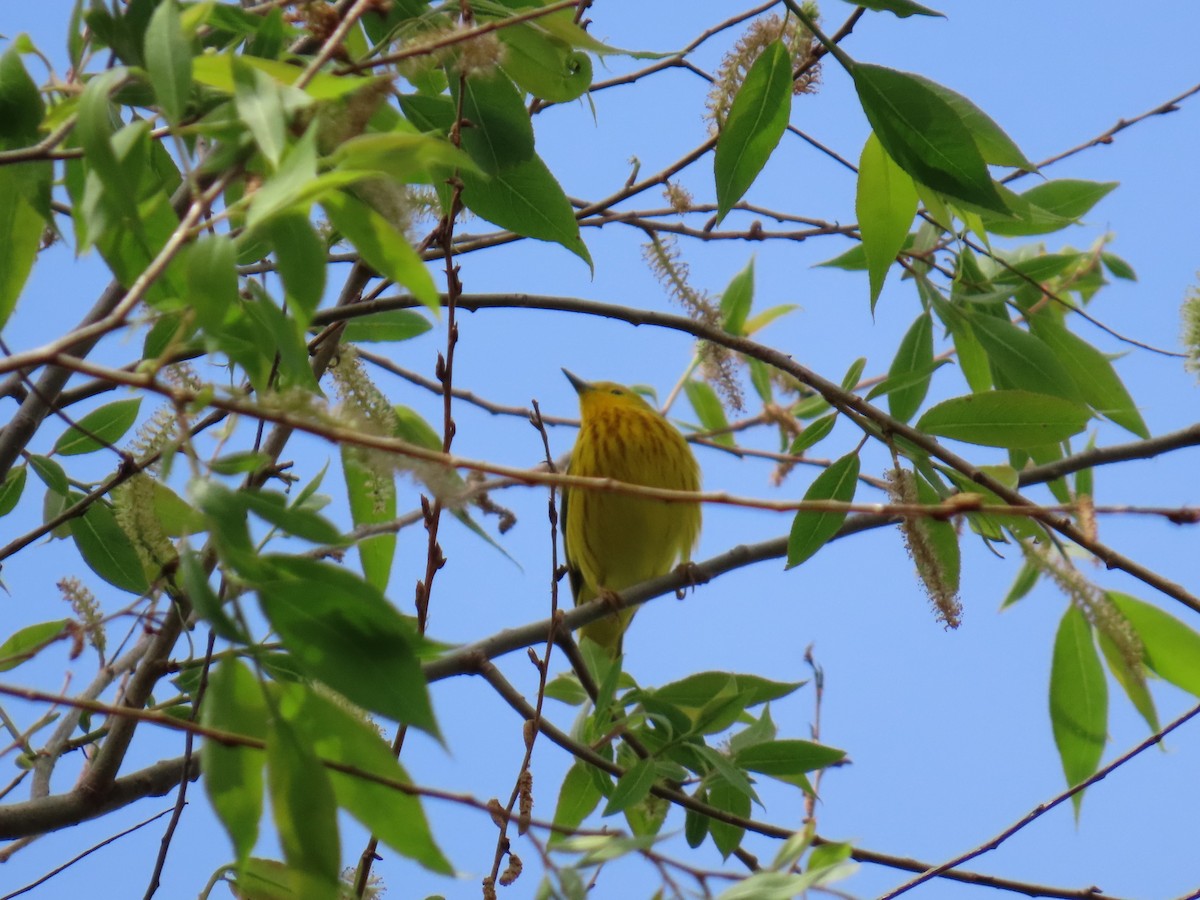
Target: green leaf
x=737 y=300
x=760 y=377
x=100 y=428
x=1131 y=678
x=1050 y=207
x=405 y=157
x=294 y=187
x=695 y=825
x=50 y=473
x=169 y=61
x=233 y=775
x=1078 y=700
x=11 y=489
x=853 y=260
x=300 y=254
x=94 y=129
x=390 y=325
x=269 y=879
x=827 y=855
x=902 y=8
x=885 y=204
x=21 y=106
x=996 y=147
x=715 y=761
x=812 y=530
x=342 y=631
x=20 y=234
x=758 y=731
x=1041 y=267
x=272 y=507
x=527 y=200
x=338 y=735
x=212 y=281
x=854 y=373
x=382 y=246
x=543 y=65
x=577 y=798
x=726 y=797
x=925 y=135
x=25 y=644
x=760 y=321
x=1025 y=581
x=1022 y=360
x=372 y=497
x=240 y=463
x=646 y=818
x=106 y=548
x=906 y=380
x=694 y=691
x=914 y=357
x=757 y=119
x=268 y=36
x=1172 y=649
x=260 y=108
x=501 y=135
x=1013 y=419
x=1092 y=373
x=217 y=70
x=787 y=758
x=772 y=885
x=1118 y=267
x=269 y=343
x=602 y=848
x=194 y=581
x=174 y=514
x=565 y=687
x=709 y=411
x=428 y=113
x=1069 y=198
x=305 y=812
x=813 y=433
x=631 y=787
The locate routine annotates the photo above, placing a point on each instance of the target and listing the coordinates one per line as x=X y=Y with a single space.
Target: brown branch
x=78 y=508
x=1106 y=137
x=677 y=59
x=584 y=753
x=839 y=398
x=164 y=845
x=61 y=811
x=57 y=870
x=523 y=786
x=952 y=506
x=58 y=811
x=1100 y=456
x=459 y=37
x=753 y=233
x=1042 y=808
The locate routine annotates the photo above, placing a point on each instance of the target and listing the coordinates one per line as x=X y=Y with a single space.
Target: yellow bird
x=614 y=541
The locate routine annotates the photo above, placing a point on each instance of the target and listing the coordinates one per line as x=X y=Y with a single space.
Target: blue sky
x=948 y=731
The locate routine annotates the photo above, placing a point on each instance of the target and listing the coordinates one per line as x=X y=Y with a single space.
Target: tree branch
x=1042 y=808
x=836 y=396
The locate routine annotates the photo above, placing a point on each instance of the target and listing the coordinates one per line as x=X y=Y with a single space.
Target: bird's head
x=600 y=396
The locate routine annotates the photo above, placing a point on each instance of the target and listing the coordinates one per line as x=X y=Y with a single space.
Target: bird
x=613 y=541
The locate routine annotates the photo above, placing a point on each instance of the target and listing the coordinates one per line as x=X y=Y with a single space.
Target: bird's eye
x=616 y=392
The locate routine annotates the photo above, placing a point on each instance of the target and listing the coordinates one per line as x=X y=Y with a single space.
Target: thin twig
x=88 y=852
x=1042 y=808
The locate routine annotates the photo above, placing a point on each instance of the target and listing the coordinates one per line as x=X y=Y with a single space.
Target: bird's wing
x=573 y=571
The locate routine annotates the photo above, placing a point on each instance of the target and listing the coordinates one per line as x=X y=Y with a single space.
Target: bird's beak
x=578 y=383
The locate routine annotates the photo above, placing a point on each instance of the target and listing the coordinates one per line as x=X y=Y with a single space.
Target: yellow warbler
x=614 y=541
